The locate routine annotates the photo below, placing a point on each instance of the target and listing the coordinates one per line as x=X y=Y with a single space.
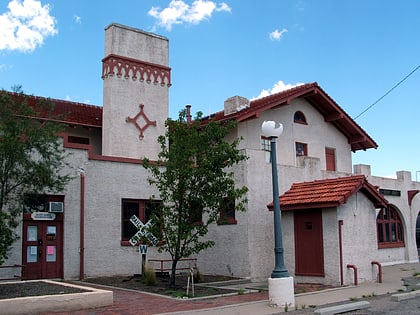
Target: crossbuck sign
x=142 y=231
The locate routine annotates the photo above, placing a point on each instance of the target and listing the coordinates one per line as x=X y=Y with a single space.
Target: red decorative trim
x=411 y=194
x=227 y=221
x=135 y=122
x=136 y=69
x=98 y=157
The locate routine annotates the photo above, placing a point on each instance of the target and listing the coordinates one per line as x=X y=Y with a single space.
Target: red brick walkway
x=139 y=303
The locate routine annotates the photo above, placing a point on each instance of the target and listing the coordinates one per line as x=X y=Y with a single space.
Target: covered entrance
x=42 y=245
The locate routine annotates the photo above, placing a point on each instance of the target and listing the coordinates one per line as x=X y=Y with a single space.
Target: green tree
x=194 y=176
x=31 y=158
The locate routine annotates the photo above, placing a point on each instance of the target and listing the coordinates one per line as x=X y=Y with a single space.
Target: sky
x=364 y=54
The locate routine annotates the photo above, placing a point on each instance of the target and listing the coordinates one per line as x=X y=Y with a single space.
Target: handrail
x=163 y=261
x=12 y=266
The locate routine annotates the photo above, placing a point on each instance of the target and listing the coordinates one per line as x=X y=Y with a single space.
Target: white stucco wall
x=123 y=95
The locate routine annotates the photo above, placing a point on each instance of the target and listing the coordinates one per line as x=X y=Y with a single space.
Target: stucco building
x=334 y=214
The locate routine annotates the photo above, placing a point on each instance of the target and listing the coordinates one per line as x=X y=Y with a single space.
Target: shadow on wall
x=418 y=234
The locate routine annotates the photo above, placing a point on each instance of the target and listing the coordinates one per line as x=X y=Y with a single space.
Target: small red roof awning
x=328 y=193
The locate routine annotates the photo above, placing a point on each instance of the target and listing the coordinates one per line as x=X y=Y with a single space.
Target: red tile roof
x=328 y=193
x=63 y=111
x=315 y=95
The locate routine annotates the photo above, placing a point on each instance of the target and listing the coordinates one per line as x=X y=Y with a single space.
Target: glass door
x=42 y=250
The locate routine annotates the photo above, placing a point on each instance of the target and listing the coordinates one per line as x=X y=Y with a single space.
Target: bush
x=197 y=276
x=149 y=276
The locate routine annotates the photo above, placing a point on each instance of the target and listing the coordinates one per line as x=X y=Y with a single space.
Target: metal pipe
x=340 y=241
x=82 y=225
x=377 y=263
x=355 y=272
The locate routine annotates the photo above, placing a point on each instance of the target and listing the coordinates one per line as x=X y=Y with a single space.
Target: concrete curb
x=59 y=302
x=337 y=309
x=405 y=296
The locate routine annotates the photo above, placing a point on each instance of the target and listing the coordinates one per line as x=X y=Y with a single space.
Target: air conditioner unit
x=56 y=207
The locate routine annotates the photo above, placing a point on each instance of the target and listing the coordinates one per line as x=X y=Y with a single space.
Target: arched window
x=299 y=118
x=389 y=228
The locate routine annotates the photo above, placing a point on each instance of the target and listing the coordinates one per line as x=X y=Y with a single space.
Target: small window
x=196 y=212
x=78 y=140
x=300 y=118
x=265 y=144
x=143 y=209
x=330 y=159
x=389 y=228
x=227 y=212
x=301 y=149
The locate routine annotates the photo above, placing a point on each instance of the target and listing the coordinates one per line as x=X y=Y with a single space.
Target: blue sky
x=356 y=50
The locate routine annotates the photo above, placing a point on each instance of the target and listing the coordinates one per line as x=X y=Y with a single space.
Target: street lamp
x=280 y=285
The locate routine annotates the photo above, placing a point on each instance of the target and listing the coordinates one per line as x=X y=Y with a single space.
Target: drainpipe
x=340 y=246
x=82 y=223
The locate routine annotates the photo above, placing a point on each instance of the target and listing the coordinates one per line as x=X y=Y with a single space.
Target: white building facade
x=366 y=221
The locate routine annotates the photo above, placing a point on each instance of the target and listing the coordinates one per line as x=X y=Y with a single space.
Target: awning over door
x=328 y=193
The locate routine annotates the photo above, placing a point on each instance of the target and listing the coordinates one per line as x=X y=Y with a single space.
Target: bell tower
x=136 y=79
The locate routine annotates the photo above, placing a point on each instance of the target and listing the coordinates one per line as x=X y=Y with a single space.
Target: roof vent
x=235 y=104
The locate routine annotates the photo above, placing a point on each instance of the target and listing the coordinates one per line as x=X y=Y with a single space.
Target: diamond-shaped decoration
x=143 y=117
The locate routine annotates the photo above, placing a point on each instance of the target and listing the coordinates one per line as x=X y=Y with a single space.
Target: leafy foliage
x=31 y=158
x=193 y=175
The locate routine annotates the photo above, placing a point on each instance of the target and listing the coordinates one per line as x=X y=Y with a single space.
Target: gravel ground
x=21 y=289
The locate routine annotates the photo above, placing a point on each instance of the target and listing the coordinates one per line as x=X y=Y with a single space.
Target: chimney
x=235 y=104
x=188 y=107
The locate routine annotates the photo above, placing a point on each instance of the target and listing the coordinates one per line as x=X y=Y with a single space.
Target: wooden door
x=42 y=249
x=309 y=250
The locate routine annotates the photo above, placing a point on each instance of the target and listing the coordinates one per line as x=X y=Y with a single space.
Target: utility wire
x=379 y=99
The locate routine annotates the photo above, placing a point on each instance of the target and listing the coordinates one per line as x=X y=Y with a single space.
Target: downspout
x=340 y=246
x=82 y=224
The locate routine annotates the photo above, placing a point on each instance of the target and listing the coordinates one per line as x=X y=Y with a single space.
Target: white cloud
x=25 y=26
x=77 y=19
x=278 y=87
x=277 y=35
x=179 y=12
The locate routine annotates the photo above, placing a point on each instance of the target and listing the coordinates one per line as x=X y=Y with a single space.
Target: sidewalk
x=391 y=283
x=129 y=302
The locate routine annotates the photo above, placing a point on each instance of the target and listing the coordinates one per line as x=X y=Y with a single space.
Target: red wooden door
x=42 y=249
x=309 y=250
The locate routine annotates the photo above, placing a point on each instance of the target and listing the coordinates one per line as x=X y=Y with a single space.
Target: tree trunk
x=173 y=271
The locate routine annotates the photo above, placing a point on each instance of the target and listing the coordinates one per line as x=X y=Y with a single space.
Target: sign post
x=142 y=232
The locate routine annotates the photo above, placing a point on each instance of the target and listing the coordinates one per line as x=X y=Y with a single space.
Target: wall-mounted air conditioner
x=56 y=207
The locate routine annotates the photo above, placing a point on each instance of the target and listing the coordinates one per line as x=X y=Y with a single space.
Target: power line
x=389 y=91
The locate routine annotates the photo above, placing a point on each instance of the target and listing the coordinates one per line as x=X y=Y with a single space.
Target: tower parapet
x=136 y=80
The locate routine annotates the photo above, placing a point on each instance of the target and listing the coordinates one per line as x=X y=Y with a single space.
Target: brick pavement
x=140 y=303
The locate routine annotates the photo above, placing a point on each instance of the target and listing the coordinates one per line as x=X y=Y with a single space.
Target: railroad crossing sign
x=142 y=231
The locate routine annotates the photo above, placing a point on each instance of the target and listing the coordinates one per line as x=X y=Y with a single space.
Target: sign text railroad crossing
x=142 y=231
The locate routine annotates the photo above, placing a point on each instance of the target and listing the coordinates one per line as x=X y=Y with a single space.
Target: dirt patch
x=201 y=288
x=36 y=288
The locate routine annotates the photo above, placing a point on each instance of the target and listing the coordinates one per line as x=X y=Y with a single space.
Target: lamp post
x=269 y=130
x=280 y=285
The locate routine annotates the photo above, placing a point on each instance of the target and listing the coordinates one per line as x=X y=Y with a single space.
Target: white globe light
x=269 y=129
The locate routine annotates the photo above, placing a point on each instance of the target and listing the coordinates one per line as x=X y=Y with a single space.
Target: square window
x=142 y=209
x=301 y=149
x=227 y=212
